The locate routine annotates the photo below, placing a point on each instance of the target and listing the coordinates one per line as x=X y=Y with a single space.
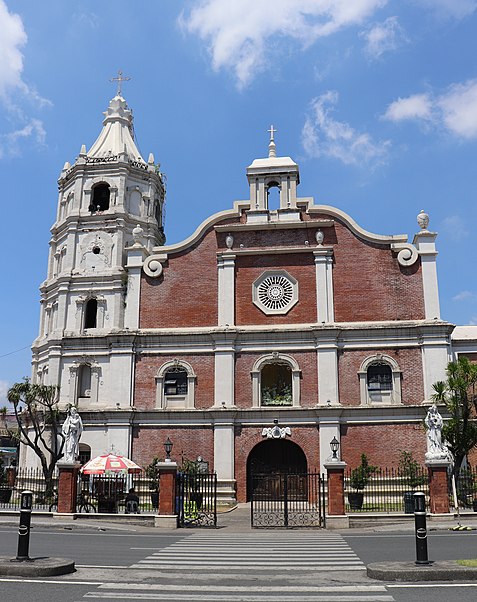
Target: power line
x=16 y=351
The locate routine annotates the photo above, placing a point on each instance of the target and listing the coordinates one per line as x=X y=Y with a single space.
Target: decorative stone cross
x=272 y=131
x=119 y=79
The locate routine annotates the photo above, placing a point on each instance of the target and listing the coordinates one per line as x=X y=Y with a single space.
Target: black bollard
x=24 y=528
x=421 y=528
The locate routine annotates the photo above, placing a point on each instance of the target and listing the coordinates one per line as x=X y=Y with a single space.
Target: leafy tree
x=360 y=476
x=38 y=419
x=459 y=394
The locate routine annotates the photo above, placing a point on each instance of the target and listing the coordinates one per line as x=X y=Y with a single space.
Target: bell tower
x=110 y=199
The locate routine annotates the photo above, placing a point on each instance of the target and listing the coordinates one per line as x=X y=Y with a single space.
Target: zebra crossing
x=249 y=567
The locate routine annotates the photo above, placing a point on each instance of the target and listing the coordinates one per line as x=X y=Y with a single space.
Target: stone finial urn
x=423 y=220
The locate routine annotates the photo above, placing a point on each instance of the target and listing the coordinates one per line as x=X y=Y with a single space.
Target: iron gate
x=288 y=500
x=196 y=499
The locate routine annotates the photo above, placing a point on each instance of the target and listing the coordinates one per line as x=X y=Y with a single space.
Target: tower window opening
x=100 y=200
x=91 y=313
x=273 y=194
x=96 y=250
x=84 y=388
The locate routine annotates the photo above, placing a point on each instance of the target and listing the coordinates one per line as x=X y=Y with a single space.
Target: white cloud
x=464 y=295
x=459 y=109
x=455 y=227
x=241 y=34
x=383 y=37
x=418 y=106
x=458 y=9
x=17 y=97
x=13 y=38
x=10 y=143
x=455 y=110
x=324 y=135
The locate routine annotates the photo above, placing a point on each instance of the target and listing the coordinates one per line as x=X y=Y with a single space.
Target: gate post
x=336 y=517
x=438 y=492
x=167 y=517
x=67 y=486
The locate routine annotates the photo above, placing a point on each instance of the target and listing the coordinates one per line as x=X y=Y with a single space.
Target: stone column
x=224 y=462
x=438 y=493
x=67 y=486
x=167 y=517
x=336 y=517
x=324 y=284
x=226 y=289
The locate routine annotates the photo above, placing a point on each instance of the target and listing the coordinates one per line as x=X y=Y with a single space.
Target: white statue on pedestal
x=72 y=429
x=436 y=449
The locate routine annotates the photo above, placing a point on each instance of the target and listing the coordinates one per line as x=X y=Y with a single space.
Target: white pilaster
x=327 y=357
x=425 y=244
x=135 y=258
x=324 y=284
x=435 y=357
x=224 y=376
x=224 y=462
x=226 y=289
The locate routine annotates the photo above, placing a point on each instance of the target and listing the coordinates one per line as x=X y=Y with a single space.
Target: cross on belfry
x=272 y=130
x=119 y=79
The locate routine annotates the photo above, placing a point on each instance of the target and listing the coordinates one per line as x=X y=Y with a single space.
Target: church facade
x=250 y=344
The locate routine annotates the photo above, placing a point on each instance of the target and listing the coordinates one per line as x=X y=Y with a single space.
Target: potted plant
x=152 y=473
x=411 y=476
x=358 y=480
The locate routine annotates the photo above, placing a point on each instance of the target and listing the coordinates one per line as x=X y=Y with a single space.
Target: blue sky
x=376 y=100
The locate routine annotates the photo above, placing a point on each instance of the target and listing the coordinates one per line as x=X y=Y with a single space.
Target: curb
x=442 y=570
x=36 y=567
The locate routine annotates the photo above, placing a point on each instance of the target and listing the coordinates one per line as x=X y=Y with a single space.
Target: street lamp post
x=168 y=447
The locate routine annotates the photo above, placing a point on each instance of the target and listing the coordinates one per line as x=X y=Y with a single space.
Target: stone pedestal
x=438 y=492
x=336 y=517
x=67 y=486
x=167 y=516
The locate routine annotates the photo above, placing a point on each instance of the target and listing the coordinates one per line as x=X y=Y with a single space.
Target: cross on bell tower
x=120 y=79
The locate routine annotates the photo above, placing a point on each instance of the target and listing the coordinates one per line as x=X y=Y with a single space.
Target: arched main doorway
x=275 y=456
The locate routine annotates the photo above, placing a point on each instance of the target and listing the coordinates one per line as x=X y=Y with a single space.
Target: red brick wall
x=188 y=443
x=409 y=361
x=247 y=437
x=368 y=282
x=147 y=367
x=382 y=443
x=308 y=383
x=186 y=293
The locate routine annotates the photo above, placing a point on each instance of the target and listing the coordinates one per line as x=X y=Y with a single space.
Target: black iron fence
x=387 y=490
x=196 y=499
x=287 y=500
x=117 y=493
x=465 y=489
x=32 y=479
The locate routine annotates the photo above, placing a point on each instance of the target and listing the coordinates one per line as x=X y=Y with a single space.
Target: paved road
x=220 y=565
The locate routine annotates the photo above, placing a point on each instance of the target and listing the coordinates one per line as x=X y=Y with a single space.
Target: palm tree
x=459 y=394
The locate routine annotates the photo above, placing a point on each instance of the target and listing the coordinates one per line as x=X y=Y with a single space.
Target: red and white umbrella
x=110 y=464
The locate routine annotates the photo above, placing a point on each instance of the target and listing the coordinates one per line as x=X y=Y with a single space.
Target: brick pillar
x=336 y=517
x=167 y=517
x=67 y=486
x=438 y=492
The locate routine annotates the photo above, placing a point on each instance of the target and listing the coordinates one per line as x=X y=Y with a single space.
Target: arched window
x=275 y=381
x=91 y=313
x=175 y=381
x=84 y=382
x=100 y=198
x=276 y=385
x=273 y=196
x=380 y=380
x=175 y=385
x=84 y=453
